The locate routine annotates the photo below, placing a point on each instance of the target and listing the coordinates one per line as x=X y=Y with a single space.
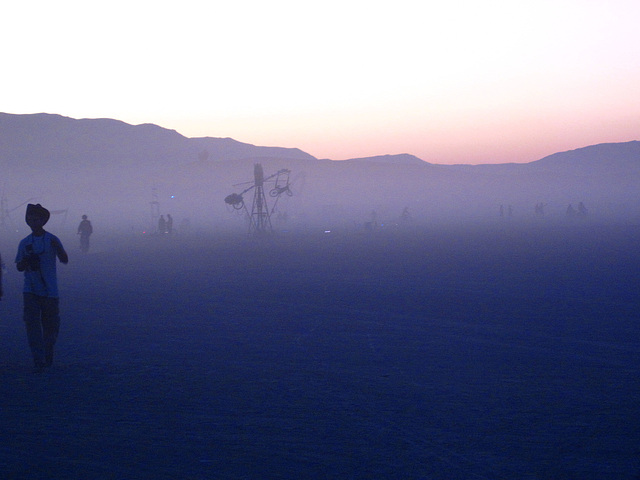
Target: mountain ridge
x=110 y=168
x=146 y=143
x=40 y=128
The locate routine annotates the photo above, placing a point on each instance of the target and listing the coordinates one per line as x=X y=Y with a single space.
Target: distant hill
x=401 y=159
x=114 y=171
x=605 y=156
x=28 y=140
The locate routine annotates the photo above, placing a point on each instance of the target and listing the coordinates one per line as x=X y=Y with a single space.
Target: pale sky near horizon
x=448 y=81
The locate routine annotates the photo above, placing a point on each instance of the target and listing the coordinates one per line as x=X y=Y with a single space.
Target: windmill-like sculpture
x=260 y=215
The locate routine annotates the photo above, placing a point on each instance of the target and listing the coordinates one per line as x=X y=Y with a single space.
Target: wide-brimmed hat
x=37 y=210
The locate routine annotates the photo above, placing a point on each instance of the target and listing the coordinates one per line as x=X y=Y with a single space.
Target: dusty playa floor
x=452 y=354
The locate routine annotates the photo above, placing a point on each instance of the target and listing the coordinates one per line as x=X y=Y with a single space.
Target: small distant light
x=173 y=196
x=327 y=231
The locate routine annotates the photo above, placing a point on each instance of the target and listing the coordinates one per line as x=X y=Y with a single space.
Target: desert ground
x=462 y=352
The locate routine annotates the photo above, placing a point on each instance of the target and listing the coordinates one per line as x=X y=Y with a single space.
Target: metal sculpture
x=260 y=215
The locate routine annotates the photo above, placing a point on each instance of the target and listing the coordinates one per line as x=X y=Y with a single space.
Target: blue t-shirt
x=43 y=282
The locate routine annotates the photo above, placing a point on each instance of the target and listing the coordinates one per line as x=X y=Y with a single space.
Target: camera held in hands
x=32 y=260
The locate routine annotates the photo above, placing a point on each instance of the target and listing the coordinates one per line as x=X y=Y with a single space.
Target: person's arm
x=60 y=251
x=21 y=260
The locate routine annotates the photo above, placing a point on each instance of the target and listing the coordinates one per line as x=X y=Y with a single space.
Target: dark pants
x=84 y=243
x=42 y=319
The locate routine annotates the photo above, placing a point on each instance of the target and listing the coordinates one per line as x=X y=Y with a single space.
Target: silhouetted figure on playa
x=373 y=223
x=85 y=229
x=1 y=266
x=169 y=226
x=571 y=212
x=582 y=210
x=36 y=257
x=405 y=216
x=162 y=225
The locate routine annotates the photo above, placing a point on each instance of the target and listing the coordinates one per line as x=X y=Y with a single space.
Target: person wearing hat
x=36 y=257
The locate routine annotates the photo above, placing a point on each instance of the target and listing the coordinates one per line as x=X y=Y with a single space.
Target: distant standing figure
x=36 y=257
x=582 y=210
x=169 y=224
x=405 y=216
x=1 y=267
x=162 y=225
x=571 y=212
x=84 y=230
x=373 y=224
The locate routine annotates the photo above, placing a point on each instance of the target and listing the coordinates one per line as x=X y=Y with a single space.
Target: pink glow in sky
x=450 y=82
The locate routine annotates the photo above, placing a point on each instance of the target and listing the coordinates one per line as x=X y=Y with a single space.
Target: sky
x=448 y=81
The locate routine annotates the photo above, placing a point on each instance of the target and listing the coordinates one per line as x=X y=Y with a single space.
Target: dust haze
x=400 y=319
x=123 y=177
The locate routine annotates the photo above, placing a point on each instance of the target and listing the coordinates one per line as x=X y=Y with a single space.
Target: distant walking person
x=36 y=257
x=84 y=230
x=1 y=267
x=582 y=210
x=162 y=225
x=169 y=224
